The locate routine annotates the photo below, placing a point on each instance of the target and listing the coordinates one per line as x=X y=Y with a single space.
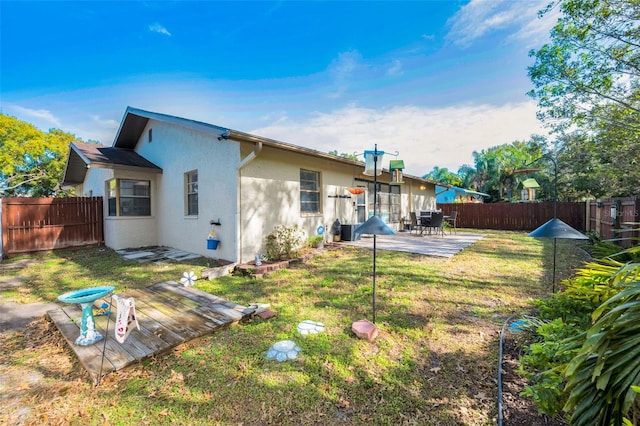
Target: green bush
x=315 y=241
x=545 y=361
x=603 y=373
x=584 y=337
x=284 y=242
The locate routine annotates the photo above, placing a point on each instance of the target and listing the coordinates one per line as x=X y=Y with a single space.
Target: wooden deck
x=168 y=314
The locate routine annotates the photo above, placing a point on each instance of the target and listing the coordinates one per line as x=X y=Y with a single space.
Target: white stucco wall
x=248 y=202
x=417 y=196
x=121 y=232
x=270 y=196
x=178 y=150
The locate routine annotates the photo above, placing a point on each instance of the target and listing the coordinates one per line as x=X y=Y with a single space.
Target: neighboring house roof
x=85 y=155
x=440 y=190
x=135 y=121
x=470 y=192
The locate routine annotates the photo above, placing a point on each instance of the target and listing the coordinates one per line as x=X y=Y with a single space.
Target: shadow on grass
x=433 y=363
x=60 y=271
x=336 y=379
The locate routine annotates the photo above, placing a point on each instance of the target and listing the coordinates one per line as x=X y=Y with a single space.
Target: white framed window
x=388 y=202
x=309 y=191
x=129 y=197
x=191 y=193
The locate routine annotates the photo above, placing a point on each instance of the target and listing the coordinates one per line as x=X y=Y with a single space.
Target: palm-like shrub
x=585 y=355
x=601 y=375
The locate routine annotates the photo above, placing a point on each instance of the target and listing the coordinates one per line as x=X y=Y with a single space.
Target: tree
x=587 y=83
x=593 y=60
x=604 y=163
x=344 y=155
x=443 y=175
x=497 y=167
x=468 y=174
x=32 y=162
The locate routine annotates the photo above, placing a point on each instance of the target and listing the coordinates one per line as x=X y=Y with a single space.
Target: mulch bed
x=519 y=410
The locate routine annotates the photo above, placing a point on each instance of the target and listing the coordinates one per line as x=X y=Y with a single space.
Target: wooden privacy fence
x=620 y=225
x=515 y=216
x=36 y=224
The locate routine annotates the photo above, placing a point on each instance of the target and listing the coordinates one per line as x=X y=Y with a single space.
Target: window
x=128 y=197
x=388 y=202
x=309 y=191
x=191 y=191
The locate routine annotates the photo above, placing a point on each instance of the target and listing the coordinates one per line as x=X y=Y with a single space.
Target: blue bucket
x=212 y=244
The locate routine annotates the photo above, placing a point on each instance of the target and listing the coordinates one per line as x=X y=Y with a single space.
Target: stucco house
x=171 y=181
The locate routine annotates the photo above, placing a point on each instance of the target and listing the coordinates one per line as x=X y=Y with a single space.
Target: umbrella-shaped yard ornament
x=555 y=228
x=374 y=225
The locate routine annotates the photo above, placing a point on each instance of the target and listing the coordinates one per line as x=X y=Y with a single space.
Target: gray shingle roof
x=84 y=155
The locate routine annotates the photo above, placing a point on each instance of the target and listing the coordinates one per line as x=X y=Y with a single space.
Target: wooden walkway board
x=168 y=314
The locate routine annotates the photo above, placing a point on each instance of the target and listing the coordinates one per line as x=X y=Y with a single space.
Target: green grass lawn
x=435 y=361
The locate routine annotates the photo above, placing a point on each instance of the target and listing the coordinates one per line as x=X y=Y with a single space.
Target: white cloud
x=99 y=121
x=424 y=137
x=341 y=71
x=43 y=116
x=81 y=124
x=157 y=28
x=395 y=69
x=480 y=17
x=535 y=31
x=99 y=129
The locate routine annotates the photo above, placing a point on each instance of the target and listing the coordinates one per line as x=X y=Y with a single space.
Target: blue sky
x=433 y=80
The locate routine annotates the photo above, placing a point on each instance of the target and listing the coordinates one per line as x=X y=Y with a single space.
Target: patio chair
x=436 y=223
x=415 y=224
x=425 y=221
x=451 y=220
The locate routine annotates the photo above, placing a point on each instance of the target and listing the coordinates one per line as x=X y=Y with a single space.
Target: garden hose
x=500 y=416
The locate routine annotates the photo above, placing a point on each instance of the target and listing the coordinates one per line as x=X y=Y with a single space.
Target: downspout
x=243 y=163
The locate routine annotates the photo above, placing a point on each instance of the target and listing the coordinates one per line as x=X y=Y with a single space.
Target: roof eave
x=247 y=137
x=135 y=132
x=99 y=165
x=131 y=128
x=74 y=150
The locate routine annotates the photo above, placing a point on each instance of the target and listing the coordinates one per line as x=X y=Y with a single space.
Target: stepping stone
x=137 y=255
x=310 y=327
x=283 y=350
x=365 y=330
x=267 y=314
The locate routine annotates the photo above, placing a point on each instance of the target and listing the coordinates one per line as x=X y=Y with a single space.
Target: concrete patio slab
x=428 y=245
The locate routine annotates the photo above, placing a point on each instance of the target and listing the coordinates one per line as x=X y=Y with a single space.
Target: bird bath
x=85 y=297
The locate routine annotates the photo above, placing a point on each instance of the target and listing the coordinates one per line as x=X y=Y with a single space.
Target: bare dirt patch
x=46 y=372
x=519 y=410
